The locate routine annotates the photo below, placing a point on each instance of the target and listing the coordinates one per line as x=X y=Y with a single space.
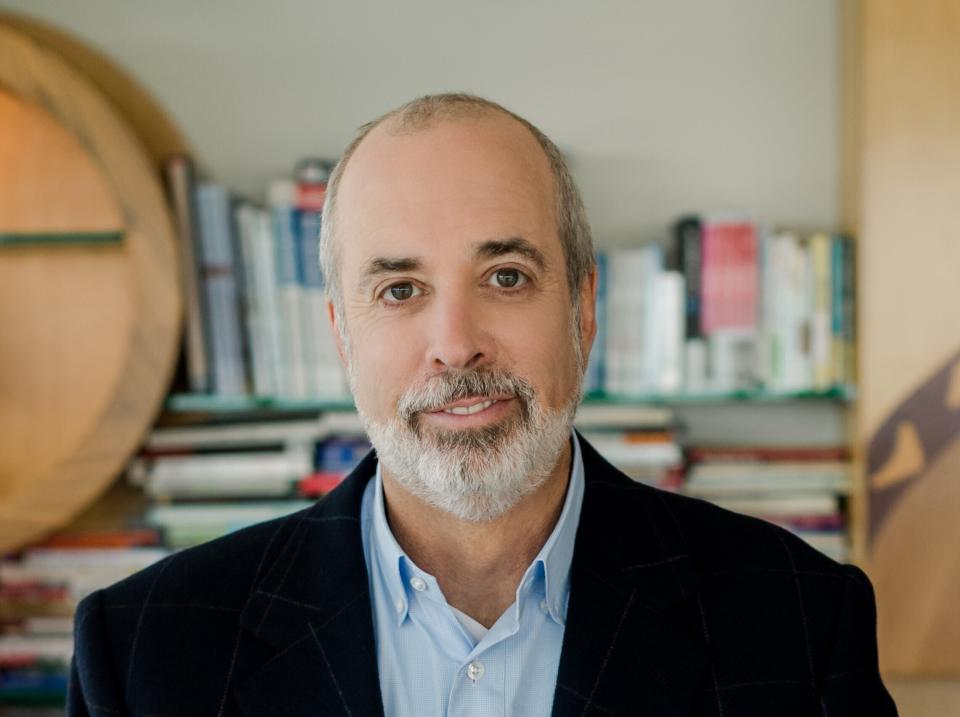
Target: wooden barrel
x=90 y=302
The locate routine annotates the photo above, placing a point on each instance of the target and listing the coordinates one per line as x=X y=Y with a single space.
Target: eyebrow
x=513 y=245
x=381 y=265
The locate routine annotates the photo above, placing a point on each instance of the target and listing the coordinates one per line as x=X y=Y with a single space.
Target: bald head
x=548 y=174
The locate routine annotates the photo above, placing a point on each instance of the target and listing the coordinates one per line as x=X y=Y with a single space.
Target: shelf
x=59 y=238
x=209 y=403
x=840 y=394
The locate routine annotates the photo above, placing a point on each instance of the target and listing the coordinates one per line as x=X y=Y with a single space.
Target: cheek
x=384 y=361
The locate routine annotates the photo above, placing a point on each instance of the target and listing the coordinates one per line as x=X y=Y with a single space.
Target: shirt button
x=399 y=606
x=418 y=584
x=475 y=670
x=544 y=607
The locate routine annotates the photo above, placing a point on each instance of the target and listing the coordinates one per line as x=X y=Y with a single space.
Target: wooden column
x=902 y=195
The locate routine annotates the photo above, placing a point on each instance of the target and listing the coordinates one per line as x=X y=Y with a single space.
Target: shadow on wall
x=913 y=468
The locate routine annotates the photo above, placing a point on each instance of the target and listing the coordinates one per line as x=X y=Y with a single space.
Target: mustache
x=456 y=385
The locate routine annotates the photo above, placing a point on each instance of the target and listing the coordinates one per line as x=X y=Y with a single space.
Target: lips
x=469 y=406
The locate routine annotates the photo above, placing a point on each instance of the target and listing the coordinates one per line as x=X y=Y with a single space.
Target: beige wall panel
x=909 y=311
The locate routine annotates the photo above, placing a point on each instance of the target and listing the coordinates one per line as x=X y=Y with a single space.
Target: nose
x=459 y=337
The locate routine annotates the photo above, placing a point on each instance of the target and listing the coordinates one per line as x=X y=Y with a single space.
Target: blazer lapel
x=312 y=609
x=632 y=643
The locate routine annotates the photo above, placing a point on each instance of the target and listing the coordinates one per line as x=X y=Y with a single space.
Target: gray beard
x=478 y=474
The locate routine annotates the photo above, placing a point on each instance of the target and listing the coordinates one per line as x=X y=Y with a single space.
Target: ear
x=588 y=311
x=338 y=340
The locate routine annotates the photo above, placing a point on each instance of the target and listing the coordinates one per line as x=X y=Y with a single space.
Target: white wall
x=663 y=105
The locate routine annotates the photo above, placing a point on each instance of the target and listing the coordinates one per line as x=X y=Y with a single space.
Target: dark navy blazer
x=677 y=607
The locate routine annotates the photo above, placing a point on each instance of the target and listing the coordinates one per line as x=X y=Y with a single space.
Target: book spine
x=289 y=301
x=324 y=375
x=596 y=365
x=245 y=220
x=849 y=310
x=182 y=188
x=670 y=305
x=221 y=290
x=269 y=292
x=650 y=358
x=688 y=239
x=837 y=278
x=818 y=248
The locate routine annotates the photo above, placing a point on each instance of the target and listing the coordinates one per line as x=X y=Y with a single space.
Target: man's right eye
x=400 y=292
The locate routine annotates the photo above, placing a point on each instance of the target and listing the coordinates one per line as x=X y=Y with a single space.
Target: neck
x=478 y=565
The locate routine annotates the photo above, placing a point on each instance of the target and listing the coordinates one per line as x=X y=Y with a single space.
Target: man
x=485 y=561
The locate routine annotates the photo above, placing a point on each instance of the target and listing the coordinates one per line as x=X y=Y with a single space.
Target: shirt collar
x=553 y=560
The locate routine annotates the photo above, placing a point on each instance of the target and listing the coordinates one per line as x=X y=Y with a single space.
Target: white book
x=786 y=505
x=273 y=347
x=237 y=434
x=622 y=453
x=632 y=346
x=669 y=306
x=223 y=514
x=221 y=468
x=617 y=416
x=55 y=648
x=264 y=381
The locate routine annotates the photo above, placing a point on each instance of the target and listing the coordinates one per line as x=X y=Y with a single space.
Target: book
x=625 y=448
x=324 y=376
x=687 y=232
x=185 y=525
x=668 y=320
x=735 y=479
x=596 y=365
x=262 y=312
x=729 y=307
x=259 y=434
x=743 y=454
x=821 y=332
x=226 y=475
x=181 y=185
x=221 y=290
x=283 y=199
x=632 y=349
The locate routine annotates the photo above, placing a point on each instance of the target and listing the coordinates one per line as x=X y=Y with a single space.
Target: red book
x=318 y=484
x=103 y=539
x=729 y=275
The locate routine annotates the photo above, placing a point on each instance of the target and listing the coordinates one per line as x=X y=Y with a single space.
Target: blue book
x=221 y=290
x=596 y=366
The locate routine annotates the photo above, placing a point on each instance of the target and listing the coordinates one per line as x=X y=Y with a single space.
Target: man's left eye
x=508 y=278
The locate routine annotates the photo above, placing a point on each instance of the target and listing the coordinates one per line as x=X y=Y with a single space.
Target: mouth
x=471 y=411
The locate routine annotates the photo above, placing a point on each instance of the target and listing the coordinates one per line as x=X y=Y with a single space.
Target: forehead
x=456 y=182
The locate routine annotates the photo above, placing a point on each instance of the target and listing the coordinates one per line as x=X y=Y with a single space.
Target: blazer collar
x=628 y=647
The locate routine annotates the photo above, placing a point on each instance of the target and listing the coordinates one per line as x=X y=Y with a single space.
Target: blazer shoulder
x=218 y=574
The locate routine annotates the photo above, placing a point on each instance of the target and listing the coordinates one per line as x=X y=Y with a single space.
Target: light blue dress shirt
x=429 y=663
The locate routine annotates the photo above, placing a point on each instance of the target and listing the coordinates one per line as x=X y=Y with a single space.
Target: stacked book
x=39 y=591
x=208 y=480
x=727 y=306
x=803 y=489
